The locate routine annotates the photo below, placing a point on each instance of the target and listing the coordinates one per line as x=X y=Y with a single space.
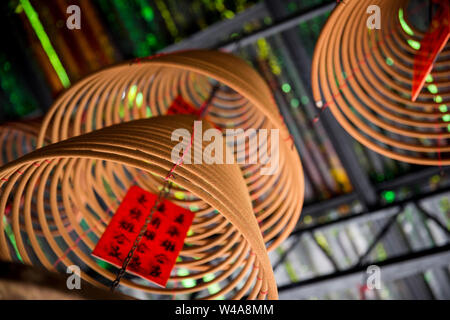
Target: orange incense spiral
x=365 y=77
x=62 y=179
x=147 y=87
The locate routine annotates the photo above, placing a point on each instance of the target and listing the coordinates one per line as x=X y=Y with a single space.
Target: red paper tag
x=431 y=45
x=158 y=250
x=180 y=106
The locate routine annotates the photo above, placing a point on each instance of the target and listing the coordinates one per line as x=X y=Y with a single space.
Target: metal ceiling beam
x=215 y=34
x=369 y=215
x=391 y=269
x=411 y=178
x=281 y=24
x=320 y=208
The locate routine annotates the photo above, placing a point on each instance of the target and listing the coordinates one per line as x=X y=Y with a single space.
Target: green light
x=403 y=23
x=151 y=39
x=295 y=103
x=305 y=100
x=132 y=93
x=219 y=5
x=381 y=252
x=215 y=287
x=139 y=99
x=147 y=13
x=121 y=111
x=414 y=44
x=435 y=179
x=228 y=14
x=193 y=208
x=288 y=267
x=438 y=99
x=268 y=20
x=307 y=219
x=208 y=277
x=428 y=276
x=432 y=88
x=14 y=98
x=187 y=283
x=322 y=241
x=286 y=87
x=45 y=42
x=429 y=78
x=10 y=234
x=18 y=9
x=149 y=112
x=179 y=195
x=170 y=23
x=389 y=196
x=108 y=189
x=443 y=108
x=389 y=61
x=103 y=264
x=446 y=118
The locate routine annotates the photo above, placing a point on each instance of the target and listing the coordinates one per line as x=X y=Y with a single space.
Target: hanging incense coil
x=233 y=252
x=365 y=77
x=18 y=138
x=148 y=87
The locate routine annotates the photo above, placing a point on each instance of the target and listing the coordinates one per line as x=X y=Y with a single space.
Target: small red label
x=158 y=250
x=180 y=106
x=431 y=45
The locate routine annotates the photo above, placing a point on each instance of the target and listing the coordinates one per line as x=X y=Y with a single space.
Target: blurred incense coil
x=18 y=138
x=233 y=252
x=147 y=87
x=364 y=76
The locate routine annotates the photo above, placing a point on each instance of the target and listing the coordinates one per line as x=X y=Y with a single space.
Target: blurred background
x=361 y=208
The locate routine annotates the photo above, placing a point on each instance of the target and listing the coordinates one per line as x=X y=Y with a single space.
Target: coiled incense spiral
x=18 y=138
x=67 y=178
x=148 y=87
x=364 y=76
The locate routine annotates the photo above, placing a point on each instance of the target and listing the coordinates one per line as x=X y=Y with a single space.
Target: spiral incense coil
x=18 y=138
x=148 y=87
x=365 y=77
x=234 y=252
